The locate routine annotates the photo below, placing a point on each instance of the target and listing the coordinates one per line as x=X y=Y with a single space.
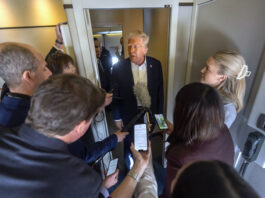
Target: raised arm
x=127 y=187
x=58 y=42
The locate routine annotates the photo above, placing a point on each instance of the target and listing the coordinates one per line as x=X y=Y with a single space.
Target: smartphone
x=161 y=122
x=112 y=166
x=140 y=137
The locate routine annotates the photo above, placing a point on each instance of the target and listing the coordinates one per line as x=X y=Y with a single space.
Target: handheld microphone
x=142 y=94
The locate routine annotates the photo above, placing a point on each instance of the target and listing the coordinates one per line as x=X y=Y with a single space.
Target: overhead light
x=109 y=32
x=114 y=60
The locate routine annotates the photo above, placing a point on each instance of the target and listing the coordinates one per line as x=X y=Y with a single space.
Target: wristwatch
x=134 y=175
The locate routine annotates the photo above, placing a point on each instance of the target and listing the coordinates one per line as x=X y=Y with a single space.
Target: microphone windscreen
x=142 y=94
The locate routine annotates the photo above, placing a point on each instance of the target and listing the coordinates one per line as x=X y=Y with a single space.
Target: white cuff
x=104 y=191
x=58 y=48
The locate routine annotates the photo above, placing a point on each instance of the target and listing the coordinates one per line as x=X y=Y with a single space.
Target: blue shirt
x=14 y=110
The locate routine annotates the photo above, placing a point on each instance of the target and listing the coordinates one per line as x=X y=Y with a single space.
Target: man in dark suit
x=138 y=68
x=104 y=64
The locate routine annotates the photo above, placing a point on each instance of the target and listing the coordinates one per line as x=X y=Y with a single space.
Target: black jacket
x=104 y=67
x=33 y=165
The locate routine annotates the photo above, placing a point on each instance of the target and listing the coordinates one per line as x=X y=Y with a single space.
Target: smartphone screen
x=140 y=137
x=112 y=166
x=161 y=121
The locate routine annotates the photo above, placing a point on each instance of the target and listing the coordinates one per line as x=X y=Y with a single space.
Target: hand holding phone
x=111 y=180
x=161 y=122
x=112 y=166
x=140 y=137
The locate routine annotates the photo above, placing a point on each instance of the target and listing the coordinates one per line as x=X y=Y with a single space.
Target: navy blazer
x=14 y=110
x=124 y=105
x=105 y=68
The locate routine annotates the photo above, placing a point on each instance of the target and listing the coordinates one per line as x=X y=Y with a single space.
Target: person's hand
x=141 y=159
x=170 y=127
x=117 y=49
x=121 y=135
x=108 y=99
x=119 y=124
x=59 y=36
x=149 y=127
x=111 y=180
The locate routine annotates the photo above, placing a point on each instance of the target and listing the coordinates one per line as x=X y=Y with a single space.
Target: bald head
x=21 y=64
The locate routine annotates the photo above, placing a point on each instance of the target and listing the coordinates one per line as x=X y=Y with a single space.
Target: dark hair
x=15 y=58
x=62 y=102
x=198 y=114
x=59 y=61
x=211 y=179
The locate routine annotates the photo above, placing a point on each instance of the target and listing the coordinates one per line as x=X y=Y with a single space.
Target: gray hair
x=14 y=60
x=140 y=34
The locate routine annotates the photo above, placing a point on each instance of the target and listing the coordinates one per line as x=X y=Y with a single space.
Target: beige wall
x=40 y=38
x=156 y=25
x=18 y=16
x=129 y=19
x=17 y=13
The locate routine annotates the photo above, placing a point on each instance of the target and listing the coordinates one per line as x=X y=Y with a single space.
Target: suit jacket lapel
x=129 y=76
x=149 y=70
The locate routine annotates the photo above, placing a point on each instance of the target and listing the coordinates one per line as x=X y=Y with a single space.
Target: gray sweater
x=230 y=114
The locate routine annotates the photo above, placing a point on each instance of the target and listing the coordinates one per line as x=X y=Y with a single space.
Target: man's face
x=42 y=73
x=97 y=48
x=137 y=50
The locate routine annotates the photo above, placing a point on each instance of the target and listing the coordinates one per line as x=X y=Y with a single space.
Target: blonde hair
x=140 y=34
x=230 y=64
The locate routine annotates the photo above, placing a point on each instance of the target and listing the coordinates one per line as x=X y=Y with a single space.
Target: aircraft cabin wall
x=31 y=22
